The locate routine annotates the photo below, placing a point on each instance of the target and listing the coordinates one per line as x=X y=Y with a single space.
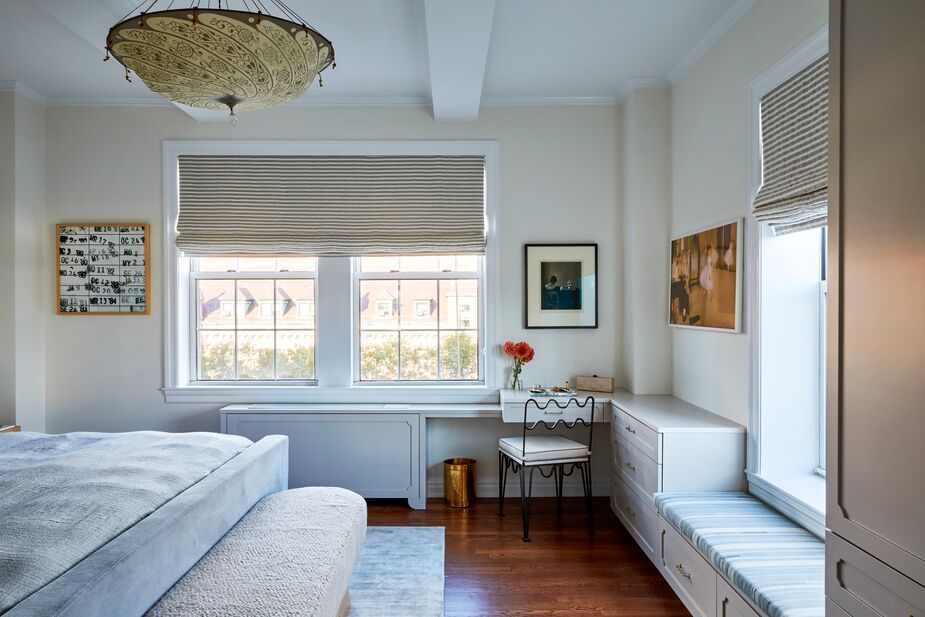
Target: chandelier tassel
x=127 y=78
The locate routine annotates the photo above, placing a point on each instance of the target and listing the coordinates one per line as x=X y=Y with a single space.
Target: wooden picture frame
x=705 y=278
x=560 y=286
x=108 y=244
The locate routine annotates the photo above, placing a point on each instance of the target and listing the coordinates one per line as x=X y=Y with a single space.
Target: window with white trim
x=235 y=210
x=254 y=319
x=418 y=319
x=787 y=245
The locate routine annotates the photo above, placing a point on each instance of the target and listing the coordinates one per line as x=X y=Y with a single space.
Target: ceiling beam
x=91 y=22
x=458 y=35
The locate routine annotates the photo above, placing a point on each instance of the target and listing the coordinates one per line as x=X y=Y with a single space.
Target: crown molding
x=638 y=83
x=728 y=19
x=549 y=101
x=360 y=101
x=17 y=87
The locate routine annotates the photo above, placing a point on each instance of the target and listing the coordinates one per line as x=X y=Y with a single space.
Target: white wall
x=710 y=177
x=30 y=264
x=558 y=184
x=22 y=255
x=646 y=185
x=7 y=270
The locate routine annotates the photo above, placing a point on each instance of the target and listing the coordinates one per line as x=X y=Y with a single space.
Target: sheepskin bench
x=292 y=554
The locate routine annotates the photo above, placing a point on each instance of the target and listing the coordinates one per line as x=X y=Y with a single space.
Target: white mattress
x=292 y=554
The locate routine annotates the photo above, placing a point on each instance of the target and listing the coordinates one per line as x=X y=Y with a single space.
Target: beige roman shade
x=331 y=205
x=794 y=148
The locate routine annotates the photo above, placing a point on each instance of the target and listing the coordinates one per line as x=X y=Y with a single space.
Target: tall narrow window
x=789 y=215
x=255 y=318
x=419 y=318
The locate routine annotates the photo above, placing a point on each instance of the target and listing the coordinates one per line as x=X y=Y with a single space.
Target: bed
x=106 y=523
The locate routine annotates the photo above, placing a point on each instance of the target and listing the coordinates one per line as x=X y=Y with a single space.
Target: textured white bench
x=292 y=554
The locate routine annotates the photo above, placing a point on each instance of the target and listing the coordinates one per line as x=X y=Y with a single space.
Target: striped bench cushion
x=770 y=559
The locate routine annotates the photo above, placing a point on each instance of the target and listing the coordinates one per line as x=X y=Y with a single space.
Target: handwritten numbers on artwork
x=103 y=269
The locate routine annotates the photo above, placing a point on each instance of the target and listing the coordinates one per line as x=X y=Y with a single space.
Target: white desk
x=380 y=450
x=512 y=403
x=376 y=450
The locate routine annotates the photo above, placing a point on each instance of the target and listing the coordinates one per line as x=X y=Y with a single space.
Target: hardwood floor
x=562 y=572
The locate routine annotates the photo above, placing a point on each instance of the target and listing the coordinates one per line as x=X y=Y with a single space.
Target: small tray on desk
x=549 y=392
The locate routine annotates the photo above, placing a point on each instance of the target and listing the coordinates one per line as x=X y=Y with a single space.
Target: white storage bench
x=730 y=555
x=292 y=554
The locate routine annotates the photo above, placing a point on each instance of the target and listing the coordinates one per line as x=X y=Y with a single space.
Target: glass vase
x=516 y=383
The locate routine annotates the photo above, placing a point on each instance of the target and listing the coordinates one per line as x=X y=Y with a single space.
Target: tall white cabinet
x=875 y=547
x=664 y=444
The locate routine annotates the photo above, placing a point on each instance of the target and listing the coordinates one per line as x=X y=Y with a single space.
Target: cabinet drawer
x=637 y=469
x=637 y=433
x=691 y=577
x=729 y=603
x=638 y=517
x=865 y=586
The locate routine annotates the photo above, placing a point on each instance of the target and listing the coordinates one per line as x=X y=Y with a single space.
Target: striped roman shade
x=794 y=148
x=331 y=205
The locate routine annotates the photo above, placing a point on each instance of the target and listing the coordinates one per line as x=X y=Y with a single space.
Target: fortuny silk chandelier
x=217 y=58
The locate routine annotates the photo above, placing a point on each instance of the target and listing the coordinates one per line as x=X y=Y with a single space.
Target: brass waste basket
x=459 y=482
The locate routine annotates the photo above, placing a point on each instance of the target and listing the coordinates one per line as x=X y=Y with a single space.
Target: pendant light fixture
x=240 y=58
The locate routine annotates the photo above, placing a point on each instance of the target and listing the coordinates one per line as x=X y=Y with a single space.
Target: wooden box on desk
x=594 y=383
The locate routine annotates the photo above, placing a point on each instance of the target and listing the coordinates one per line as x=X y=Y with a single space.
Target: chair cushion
x=769 y=558
x=543 y=448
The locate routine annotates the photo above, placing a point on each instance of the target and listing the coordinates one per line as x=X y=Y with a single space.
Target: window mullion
x=439 y=372
x=235 y=337
x=398 y=300
x=275 y=339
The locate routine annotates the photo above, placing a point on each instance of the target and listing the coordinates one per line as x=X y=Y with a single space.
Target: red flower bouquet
x=522 y=353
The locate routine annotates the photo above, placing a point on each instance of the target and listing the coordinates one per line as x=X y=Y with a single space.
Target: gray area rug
x=399 y=573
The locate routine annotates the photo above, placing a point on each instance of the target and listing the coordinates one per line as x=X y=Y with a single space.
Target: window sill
x=224 y=394
x=798 y=497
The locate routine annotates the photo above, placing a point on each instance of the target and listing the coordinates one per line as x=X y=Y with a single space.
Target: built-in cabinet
x=875 y=551
x=662 y=444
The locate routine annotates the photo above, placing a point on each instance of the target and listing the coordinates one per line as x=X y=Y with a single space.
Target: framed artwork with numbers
x=103 y=269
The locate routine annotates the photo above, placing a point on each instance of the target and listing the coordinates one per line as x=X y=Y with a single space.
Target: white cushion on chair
x=548 y=448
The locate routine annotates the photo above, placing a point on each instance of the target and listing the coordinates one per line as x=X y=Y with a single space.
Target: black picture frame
x=574 y=302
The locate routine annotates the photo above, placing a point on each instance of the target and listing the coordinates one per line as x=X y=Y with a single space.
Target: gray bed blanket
x=64 y=496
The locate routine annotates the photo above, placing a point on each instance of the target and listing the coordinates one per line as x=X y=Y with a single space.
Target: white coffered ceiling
x=453 y=54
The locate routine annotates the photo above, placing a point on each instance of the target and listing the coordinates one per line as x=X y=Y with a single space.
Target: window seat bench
x=758 y=556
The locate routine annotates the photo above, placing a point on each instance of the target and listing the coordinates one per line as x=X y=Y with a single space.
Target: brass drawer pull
x=628 y=466
x=683 y=572
x=629 y=429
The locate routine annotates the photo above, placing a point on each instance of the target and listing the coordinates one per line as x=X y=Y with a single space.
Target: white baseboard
x=544 y=488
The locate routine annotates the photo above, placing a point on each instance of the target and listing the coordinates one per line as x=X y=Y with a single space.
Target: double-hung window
x=254 y=319
x=418 y=319
x=788 y=246
x=327 y=264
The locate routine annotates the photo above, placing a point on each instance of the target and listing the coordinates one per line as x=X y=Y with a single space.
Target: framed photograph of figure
x=560 y=285
x=706 y=279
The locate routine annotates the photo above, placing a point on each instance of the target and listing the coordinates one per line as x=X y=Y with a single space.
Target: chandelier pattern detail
x=221 y=58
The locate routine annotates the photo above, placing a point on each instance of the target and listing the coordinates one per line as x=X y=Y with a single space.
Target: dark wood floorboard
x=562 y=572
